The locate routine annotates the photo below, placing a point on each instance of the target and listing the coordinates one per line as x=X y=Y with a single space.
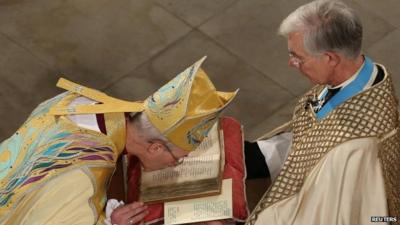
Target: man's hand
x=129 y=214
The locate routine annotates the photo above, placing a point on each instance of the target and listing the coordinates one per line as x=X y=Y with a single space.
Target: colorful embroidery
x=63 y=152
x=45 y=106
x=200 y=131
x=171 y=94
x=41 y=147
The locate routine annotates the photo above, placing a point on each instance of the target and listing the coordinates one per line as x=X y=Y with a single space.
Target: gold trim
x=116 y=129
x=109 y=105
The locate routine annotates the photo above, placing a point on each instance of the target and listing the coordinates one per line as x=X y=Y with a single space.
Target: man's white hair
x=327 y=25
x=147 y=131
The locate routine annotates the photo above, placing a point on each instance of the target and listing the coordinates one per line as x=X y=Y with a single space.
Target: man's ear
x=156 y=148
x=333 y=58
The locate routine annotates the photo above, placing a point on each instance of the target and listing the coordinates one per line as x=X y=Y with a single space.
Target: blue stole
x=356 y=86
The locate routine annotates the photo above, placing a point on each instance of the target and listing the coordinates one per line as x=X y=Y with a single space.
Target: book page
x=201 y=209
x=203 y=163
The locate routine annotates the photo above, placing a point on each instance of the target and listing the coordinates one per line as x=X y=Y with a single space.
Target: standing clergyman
x=340 y=153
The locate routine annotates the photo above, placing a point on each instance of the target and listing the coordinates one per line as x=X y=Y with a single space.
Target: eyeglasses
x=178 y=161
x=296 y=61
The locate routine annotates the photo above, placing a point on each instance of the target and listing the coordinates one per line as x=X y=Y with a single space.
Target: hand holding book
x=129 y=214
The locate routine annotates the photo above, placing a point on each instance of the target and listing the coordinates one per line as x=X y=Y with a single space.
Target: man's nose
x=290 y=62
x=293 y=63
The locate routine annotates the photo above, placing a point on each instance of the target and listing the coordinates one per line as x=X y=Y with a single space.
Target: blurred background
x=129 y=48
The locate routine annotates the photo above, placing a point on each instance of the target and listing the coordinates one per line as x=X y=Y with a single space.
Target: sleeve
x=256 y=166
x=275 y=151
x=112 y=204
x=265 y=158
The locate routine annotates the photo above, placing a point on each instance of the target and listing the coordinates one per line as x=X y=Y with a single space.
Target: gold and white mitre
x=183 y=110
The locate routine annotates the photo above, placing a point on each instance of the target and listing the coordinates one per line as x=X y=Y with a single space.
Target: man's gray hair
x=147 y=131
x=327 y=25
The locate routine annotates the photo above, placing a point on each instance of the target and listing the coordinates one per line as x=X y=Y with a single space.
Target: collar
x=357 y=84
x=349 y=80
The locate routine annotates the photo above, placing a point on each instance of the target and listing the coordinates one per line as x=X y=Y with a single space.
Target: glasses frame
x=178 y=161
x=296 y=61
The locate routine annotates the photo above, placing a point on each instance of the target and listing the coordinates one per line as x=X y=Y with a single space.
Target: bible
x=199 y=175
x=211 y=207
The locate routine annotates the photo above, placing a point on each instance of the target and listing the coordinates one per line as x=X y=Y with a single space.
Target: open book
x=199 y=175
x=201 y=209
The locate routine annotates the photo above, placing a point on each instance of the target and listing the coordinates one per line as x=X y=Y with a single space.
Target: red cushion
x=234 y=168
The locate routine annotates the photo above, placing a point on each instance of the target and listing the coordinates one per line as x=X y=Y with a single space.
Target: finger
x=135 y=211
x=138 y=217
x=136 y=205
x=129 y=207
